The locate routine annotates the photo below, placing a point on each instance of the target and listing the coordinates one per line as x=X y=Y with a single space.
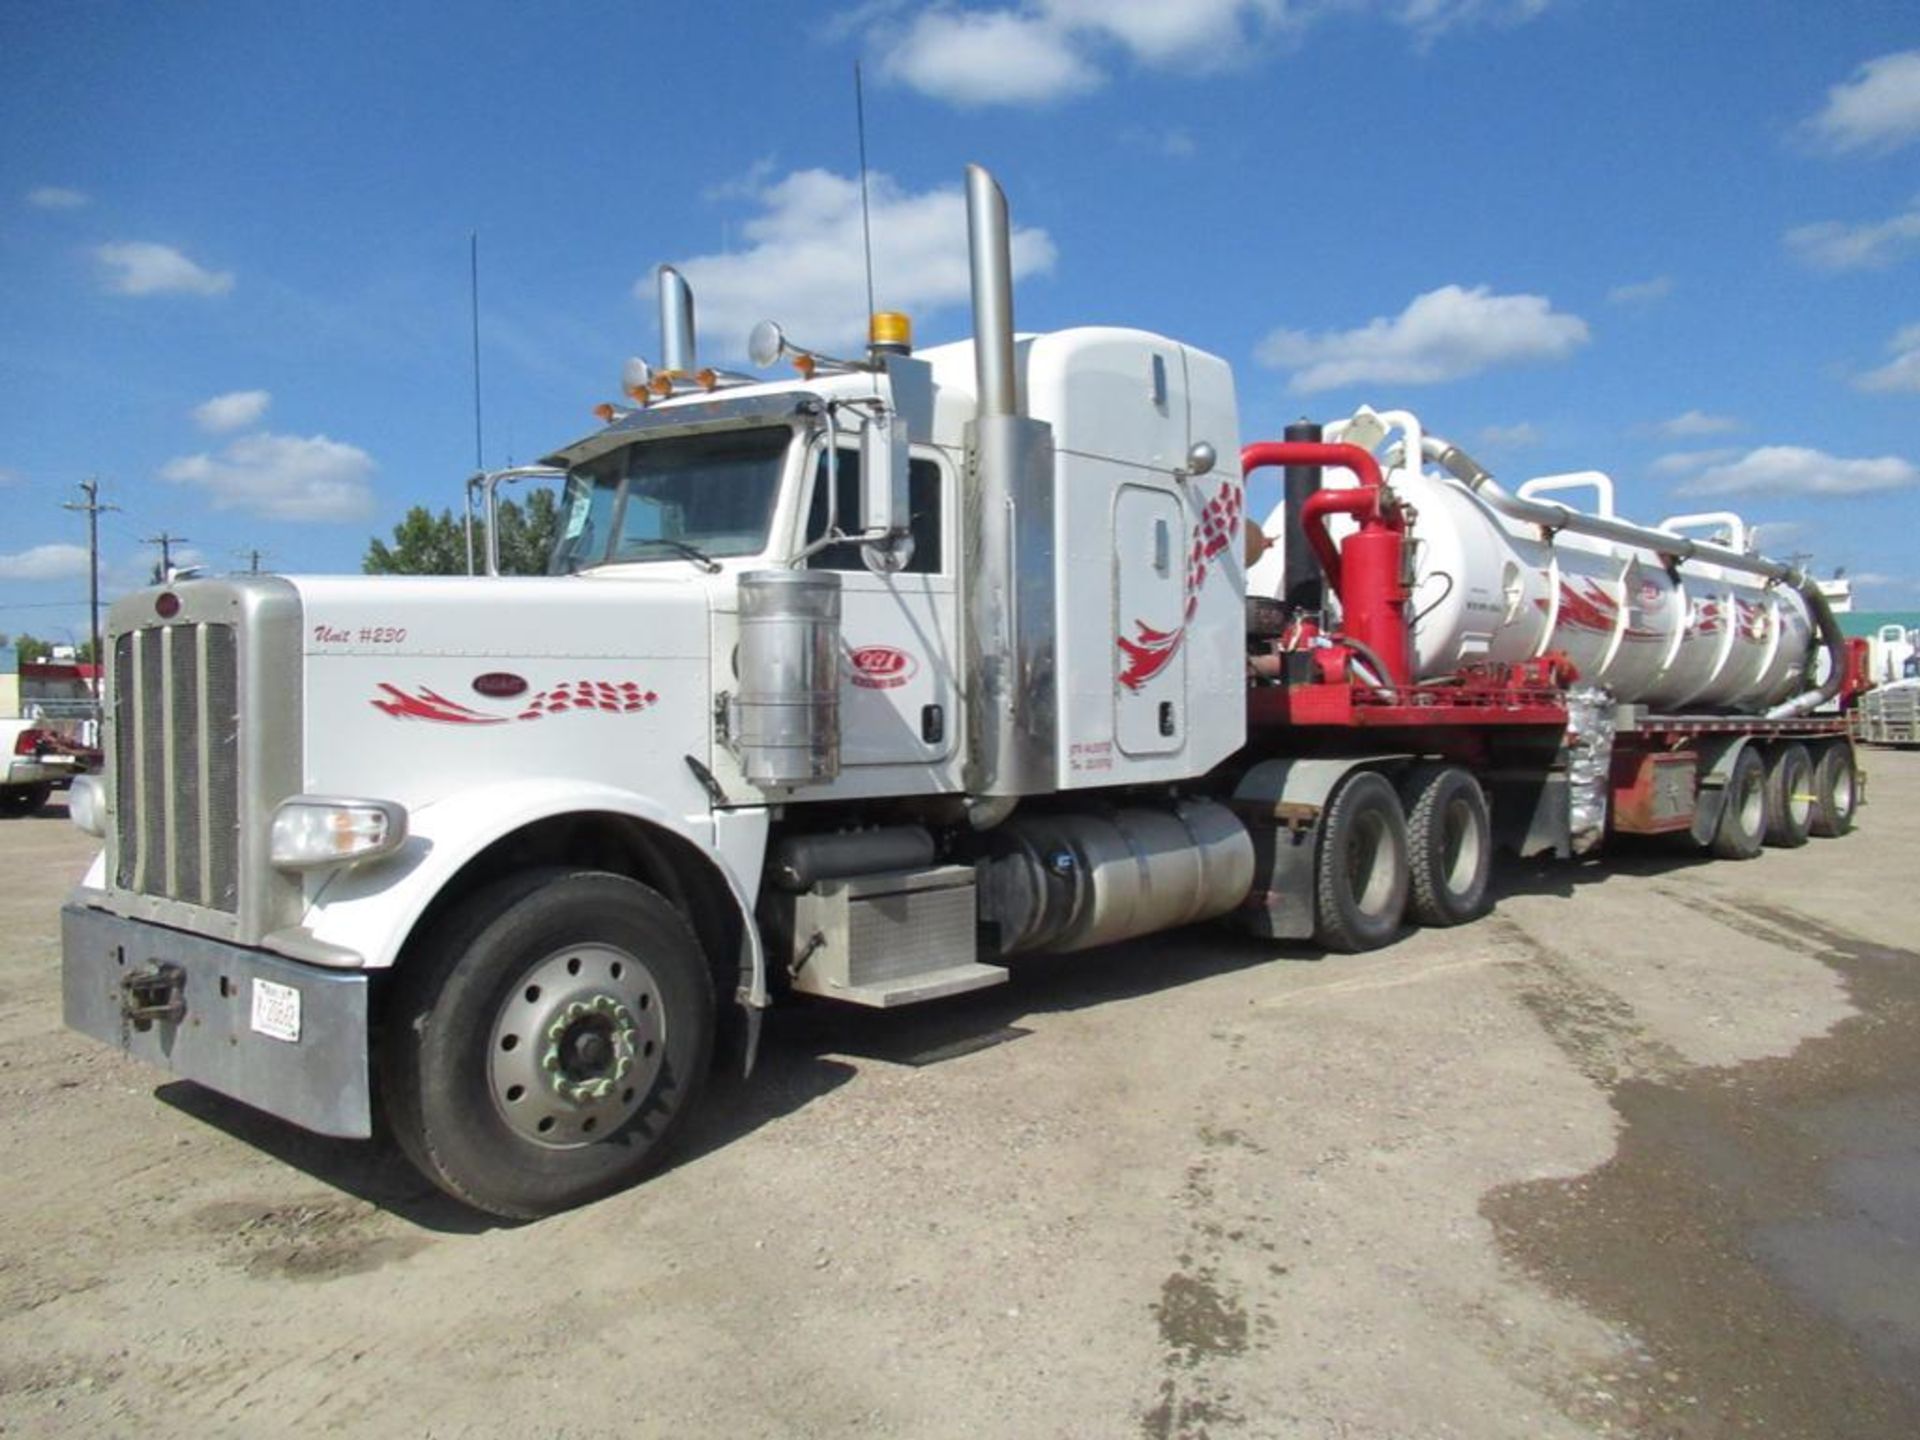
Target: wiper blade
x=693 y=552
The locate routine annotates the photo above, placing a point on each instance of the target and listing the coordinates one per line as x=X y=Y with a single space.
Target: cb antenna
x=473 y=307
x=866 y=216
x=479 y=453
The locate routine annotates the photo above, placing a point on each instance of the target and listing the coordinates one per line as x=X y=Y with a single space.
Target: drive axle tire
x=1836 y=791
x=547 y=1041
x=1449 y=845
x=1789 y=796
x=1360 y=871
x=1742 y=827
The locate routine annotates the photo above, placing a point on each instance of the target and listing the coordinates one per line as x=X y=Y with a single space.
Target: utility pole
x=166 y=542
x=252 y=557
x=90 y=487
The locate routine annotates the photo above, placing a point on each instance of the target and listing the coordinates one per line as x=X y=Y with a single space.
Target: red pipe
x=1373 y=598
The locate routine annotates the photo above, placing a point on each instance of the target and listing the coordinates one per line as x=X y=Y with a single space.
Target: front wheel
x=547 y=1042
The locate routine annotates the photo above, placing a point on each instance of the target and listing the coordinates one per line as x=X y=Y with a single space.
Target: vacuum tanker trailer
x=863 y=681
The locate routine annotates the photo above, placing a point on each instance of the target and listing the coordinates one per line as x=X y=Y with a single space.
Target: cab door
x=899 y=668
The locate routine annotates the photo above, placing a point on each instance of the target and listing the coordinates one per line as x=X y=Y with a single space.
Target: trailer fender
x=1717 y=753
x=370 y=910
x=1280 y=802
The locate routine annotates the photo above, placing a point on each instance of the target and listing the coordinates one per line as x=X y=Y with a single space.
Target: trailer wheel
x=1743 y=809
x=547 y=1042
x=1789 y=796
x=1836 y=791
x=1449 y=845
x=1360 y=872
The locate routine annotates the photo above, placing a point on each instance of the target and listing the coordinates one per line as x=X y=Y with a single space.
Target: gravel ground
x=1639 y=1154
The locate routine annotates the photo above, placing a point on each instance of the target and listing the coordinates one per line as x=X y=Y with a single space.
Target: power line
x=90 y=487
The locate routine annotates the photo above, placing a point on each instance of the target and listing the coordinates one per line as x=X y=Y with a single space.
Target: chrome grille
x=177 y=764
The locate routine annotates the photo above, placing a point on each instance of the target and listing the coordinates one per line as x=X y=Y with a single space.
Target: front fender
x=371 y=909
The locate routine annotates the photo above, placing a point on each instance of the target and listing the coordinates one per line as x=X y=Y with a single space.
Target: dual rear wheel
x=1422 y=850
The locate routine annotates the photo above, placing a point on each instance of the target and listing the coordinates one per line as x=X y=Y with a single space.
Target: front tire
x=1360 y=872
x=547 y=1042
x=1449 y=845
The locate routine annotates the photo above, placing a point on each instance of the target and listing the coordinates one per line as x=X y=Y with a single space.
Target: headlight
x=87 y=804
x=313 y=830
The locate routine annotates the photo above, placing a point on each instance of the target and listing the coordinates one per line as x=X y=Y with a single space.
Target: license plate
x=276 y=1010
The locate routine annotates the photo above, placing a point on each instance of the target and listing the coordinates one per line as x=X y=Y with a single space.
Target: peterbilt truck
x=865 y=682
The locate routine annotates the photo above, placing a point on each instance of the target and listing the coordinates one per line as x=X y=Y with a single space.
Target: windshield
x=689 y=497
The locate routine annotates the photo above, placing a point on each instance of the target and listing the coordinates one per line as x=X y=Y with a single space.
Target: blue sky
x=1676 y=241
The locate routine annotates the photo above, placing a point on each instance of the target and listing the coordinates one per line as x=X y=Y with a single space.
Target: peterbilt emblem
x=881 y=667
x=499 y=685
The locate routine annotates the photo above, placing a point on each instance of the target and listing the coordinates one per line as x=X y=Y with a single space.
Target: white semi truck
x=859 y=684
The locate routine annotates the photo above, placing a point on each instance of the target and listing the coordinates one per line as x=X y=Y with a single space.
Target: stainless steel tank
x=787 y=716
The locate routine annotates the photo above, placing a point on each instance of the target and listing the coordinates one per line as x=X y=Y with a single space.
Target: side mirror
x=883 y=474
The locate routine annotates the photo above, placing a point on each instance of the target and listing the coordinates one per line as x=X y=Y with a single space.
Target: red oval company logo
x=499 y=685
x=881 y=667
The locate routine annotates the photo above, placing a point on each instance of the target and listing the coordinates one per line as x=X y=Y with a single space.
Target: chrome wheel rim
x=576 y=1048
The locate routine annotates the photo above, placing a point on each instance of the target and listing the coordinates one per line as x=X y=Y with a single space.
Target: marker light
x=662 y=384
x=707 y=379
x=315 y=830
x=606 y=412
x=891 y=330
x=87 y=804
x=634 y=376
x=805 y=364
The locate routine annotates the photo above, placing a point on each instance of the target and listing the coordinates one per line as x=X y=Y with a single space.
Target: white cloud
x=1035 y=51
x=1429 y=19
x=1510 y=437
x=1692 y=423
x=140 y=267
x=995 y=57
x=10 y=479
x=55 y=197
x=1445 y=334
x=1770 y=535
x=45 y=562
x=802 y=263
x=1902 y=373
x=1834 y=245
x=1202 y=32
x=1798 y=470
x=234 y=410
x=282 y=477
x=1691 y=462
x=1877 y=109
x=1641 y=292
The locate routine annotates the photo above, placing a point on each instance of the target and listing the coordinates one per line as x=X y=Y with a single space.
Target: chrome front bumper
x=286 y=1038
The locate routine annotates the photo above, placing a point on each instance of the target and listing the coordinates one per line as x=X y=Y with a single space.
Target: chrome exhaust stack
x=677 y=351
x=1012 y=710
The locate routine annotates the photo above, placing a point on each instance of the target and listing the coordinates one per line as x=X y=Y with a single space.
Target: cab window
x=923 y=509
